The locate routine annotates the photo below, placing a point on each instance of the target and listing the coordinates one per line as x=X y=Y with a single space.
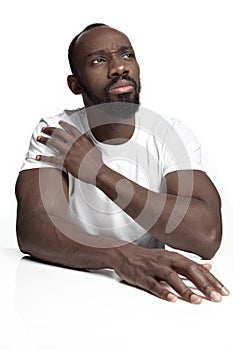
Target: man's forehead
x=101 y=38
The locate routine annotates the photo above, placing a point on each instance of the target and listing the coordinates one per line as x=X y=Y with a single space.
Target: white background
x=185 y=52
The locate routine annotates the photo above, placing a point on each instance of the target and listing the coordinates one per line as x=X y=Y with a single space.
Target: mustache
x=116 y=79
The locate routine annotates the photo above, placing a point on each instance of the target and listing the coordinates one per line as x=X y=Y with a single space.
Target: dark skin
x=145 y=268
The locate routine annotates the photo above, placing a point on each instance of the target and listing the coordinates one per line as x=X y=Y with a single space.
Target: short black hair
x=73 y=42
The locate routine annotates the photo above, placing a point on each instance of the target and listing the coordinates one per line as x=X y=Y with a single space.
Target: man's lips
x=121 y=87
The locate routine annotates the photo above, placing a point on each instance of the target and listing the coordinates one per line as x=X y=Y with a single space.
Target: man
x=99 y=189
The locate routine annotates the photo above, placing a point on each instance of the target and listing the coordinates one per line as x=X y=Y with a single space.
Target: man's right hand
x=76 y=153
x=150 y=268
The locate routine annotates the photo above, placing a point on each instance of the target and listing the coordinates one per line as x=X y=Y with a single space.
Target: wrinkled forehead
x=99 y=38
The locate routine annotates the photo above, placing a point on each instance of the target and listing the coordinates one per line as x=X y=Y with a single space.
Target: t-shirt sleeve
x=181 y=149
x=37 y=148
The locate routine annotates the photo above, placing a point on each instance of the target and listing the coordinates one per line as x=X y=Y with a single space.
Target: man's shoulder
x=165 y=128
x=155 y=123
x=67 y=115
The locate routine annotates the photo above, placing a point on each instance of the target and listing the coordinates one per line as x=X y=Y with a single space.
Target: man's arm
x=44 y=233
x=186 y=215
x=42 y=230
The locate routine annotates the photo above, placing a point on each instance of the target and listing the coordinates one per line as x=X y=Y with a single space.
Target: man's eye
x=98 y=60
x=128 y=55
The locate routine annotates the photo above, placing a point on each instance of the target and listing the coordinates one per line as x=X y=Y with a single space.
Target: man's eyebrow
x=104 y=52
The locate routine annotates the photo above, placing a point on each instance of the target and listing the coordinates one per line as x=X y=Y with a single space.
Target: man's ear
x=73 y=84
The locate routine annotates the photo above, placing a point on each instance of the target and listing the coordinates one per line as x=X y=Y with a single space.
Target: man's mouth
x=121 y=87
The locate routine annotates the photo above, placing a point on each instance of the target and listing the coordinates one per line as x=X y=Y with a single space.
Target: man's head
x=104 y=67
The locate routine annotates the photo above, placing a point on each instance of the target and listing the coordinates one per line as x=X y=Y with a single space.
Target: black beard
x=125 y=106
x=120 y=110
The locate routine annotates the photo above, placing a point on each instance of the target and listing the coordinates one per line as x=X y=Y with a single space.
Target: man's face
x=107 y=69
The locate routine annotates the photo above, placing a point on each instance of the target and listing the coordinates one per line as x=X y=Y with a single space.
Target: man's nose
x=117 y=68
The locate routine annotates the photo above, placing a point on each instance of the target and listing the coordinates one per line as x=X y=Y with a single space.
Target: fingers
x=72 y=130
x=166 y=278
x=60 y=140
x=67 y=133
x=159 y=288
x=53 y=143
x=56 y=133
x=217 y=285
x=56 y=144
x=208 y=285
x=56 y=160
x=208 y=266
x=171 y=277
x=201 y=277
x=156 y=288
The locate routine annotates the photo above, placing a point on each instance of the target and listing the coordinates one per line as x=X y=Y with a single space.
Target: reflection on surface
x=56 y=303
x=45 y=292
x=58 y=309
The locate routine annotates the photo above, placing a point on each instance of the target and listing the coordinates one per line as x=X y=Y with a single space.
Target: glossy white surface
x=45 y=307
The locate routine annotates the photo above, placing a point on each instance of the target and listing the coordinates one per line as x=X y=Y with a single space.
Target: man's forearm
x=190 y=219
x=57 y=241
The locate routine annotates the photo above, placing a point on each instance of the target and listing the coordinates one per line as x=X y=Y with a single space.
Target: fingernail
x=225 y=291
x=38 y=157
x=195 y=299
x=171 y=297
x=215 y=296
x=38 y=138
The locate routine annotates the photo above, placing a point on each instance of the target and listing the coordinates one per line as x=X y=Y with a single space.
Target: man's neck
x=109 y=129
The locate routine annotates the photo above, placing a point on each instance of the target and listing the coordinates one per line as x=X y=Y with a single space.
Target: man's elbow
x=22 y=239
x=28 y=233
x=211 y=241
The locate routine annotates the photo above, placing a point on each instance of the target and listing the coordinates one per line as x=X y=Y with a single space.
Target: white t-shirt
x=158 y=146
